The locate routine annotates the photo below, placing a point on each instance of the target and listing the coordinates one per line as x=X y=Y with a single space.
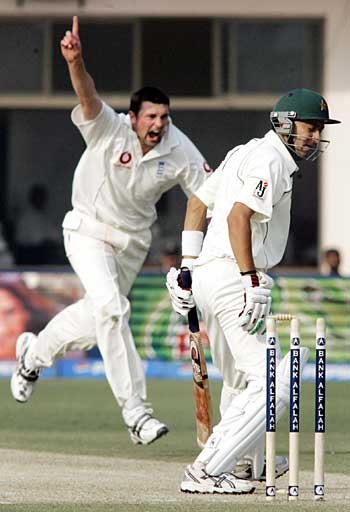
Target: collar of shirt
x=274 y=139
x=168 y=142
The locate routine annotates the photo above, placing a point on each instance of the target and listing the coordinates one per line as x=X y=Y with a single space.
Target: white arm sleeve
x=207 y=192
x=196 y=169
x=262 y=188
x=97 y=132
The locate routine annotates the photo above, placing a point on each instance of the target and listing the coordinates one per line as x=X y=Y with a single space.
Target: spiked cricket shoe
x=143 y=427
x=23 y=379
x=196 y=480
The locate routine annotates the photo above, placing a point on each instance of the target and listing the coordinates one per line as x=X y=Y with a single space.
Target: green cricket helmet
x=300 y=105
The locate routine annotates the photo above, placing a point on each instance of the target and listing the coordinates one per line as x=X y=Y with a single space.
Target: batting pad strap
x=192 y=243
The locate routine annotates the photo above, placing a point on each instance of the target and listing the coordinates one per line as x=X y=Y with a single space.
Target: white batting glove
x=266 y=282
x=257 y=303
x=181 y=298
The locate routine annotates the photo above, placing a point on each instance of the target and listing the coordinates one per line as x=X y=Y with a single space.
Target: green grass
x=81 y=417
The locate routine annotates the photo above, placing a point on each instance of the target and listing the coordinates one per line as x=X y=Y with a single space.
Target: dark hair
x=328 y=252
x=147 y=93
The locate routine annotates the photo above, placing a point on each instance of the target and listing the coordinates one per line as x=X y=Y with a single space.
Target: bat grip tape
x=185 y=281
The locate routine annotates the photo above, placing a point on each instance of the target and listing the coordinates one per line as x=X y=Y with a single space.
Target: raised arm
x=82 y=81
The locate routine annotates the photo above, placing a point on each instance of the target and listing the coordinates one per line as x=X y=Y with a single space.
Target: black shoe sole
x=161 y=432
x=277 y=476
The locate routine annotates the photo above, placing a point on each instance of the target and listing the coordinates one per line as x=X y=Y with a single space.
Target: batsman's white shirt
x=260 y=175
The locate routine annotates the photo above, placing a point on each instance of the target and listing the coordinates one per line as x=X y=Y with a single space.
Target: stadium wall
x=334 y=203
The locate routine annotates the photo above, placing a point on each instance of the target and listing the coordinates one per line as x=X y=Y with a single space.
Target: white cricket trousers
x=102 y=316
x=218 y=293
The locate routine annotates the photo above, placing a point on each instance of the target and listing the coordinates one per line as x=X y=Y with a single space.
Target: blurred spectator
x=6 y=259
x=21 y=310
x=170 y=256
x=37 y=240
x=330 y=264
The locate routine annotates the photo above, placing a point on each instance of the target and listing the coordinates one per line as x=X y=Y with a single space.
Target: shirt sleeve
x=262 y=187
x=99 y=131
x=207 y=192
x=196 y=170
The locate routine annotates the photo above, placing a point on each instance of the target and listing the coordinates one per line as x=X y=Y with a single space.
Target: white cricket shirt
x=116 y=185
x=258 y=174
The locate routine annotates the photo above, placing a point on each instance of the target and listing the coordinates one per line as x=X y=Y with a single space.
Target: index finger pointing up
x=75 y=26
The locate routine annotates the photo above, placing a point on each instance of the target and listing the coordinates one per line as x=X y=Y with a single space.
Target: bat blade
x=202 y=397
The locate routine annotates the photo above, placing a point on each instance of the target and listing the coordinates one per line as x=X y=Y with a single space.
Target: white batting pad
x=248 y=417
x=257 y=457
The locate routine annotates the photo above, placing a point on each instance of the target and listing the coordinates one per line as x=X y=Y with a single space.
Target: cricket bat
x=202 y=398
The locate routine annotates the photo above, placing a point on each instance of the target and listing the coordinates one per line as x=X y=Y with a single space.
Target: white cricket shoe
x=196 y=480
x=23 y=379
x=143 y=427
x=244 y=470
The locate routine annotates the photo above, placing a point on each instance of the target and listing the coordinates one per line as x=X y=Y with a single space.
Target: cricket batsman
x=251 y=192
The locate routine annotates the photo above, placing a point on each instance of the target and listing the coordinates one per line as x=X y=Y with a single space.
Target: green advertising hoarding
x=160 y=333
x=30 y=299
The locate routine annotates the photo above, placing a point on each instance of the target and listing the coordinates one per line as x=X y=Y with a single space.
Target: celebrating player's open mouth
x=155 y=136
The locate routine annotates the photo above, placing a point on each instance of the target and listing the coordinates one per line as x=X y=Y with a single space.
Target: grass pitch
x=68 y=450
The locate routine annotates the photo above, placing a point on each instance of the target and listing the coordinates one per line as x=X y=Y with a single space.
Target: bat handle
x=185 y=281
x=193 y=322
x=185 y=278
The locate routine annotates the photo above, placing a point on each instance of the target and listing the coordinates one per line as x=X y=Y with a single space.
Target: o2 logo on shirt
x=125 y=158
x=260 y=188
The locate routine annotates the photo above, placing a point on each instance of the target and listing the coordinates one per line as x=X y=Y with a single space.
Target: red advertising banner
x=28 y=300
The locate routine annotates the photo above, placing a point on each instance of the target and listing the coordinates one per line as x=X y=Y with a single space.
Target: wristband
x=192 y=243
x=248 y=273
x=249 y=280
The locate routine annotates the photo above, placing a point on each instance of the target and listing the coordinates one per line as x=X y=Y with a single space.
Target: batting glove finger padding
x=181 y=298
x=260 y=326
x=257 y=305
x=265 y=281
